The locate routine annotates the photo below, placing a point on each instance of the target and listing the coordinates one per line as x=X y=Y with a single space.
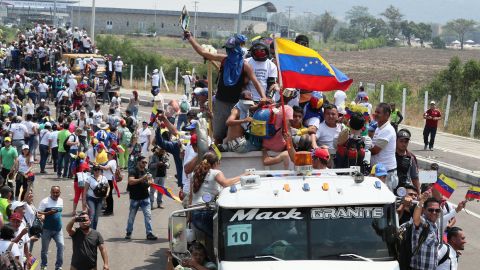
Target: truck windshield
x=307 y=233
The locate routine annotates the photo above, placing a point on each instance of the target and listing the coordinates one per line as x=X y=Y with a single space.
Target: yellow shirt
x=101 y=157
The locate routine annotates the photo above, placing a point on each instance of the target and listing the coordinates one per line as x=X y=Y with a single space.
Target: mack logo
x=347 y=212
x=241 y=215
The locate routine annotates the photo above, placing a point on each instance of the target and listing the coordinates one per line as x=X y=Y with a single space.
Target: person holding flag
x=235 y=73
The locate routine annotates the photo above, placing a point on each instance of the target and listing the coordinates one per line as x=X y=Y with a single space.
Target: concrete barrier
x=451 y=171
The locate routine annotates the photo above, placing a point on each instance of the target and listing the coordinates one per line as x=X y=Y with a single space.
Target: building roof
x=203 y=6
x=342 y=191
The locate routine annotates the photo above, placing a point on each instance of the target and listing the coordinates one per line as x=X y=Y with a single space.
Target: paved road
x=139 y=253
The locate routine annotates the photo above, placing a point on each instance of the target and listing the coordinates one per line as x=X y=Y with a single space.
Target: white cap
x=16 y=204
x=64 y=95
x=48 y=124
x=432 y=102
x=42 y=100
x=25 y=146
x=155 y=71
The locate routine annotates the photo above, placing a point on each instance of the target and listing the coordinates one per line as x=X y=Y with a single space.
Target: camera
x=80 y=219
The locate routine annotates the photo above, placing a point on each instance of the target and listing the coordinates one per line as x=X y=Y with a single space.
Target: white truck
x=300 y=219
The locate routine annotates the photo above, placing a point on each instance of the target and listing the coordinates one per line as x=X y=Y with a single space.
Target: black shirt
x=85 y=246
x=138 y=191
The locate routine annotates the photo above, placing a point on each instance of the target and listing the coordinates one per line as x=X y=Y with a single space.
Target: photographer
x=85 y=242
x=96 y=188
x=138 y=182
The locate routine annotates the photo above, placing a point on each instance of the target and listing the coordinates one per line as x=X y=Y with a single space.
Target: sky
x=430 y=11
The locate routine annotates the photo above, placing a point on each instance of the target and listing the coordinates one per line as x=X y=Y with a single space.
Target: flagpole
x=284 y=118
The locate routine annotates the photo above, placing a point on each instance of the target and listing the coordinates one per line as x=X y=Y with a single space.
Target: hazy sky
x=418 y=10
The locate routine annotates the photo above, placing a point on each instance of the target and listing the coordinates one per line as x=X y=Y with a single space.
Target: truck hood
x=323 y=264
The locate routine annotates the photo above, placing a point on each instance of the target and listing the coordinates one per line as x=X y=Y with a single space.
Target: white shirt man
x=155 y=80
x=19 y=131
x=327 y=135
x=118 y=65
x=97 y=117
x=451 y=259
x=386 y=138
x=263 y=70
x=72 y=82
x=42 y=87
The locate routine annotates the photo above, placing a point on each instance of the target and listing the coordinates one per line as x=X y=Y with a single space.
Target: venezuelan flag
x=304 y=68
x=445 y=186
x=165 y=191
x=473 y=193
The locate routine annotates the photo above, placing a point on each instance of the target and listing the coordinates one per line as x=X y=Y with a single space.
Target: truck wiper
x=261 y=257
x=350 y=255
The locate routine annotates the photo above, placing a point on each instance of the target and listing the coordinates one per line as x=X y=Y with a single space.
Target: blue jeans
x=203 y=221
x=63 y=159
x=159 y=181
x=134 y=110
x=147 y=214
x=70 y=162
x=94 y=209
x=47 y=236
x=182 y=119
x=43 y=156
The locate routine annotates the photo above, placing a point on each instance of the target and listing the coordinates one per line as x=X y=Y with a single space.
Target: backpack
x=263 y=124
x=65 y=145
x=36 y=228
x=404 y=236
x=133 y=125
x=446 y=256
x=184 y=106
x=126 y=137
x=8 y=261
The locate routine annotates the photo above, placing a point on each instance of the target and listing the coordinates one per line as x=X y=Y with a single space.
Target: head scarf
x=233 y=66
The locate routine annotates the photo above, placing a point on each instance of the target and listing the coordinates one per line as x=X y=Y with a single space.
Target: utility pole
x=92 y=30
x=195 y=21
x=55 y=22
x=289 y=8
x=239 y=20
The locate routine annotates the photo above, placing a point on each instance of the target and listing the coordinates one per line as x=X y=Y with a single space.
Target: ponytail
x=202 y=169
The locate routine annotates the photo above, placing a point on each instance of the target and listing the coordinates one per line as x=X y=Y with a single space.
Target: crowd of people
x=93 y=148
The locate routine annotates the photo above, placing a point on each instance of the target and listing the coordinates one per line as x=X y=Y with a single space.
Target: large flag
x=304 y=68
x=165 y=191
x=445 y=185
x=473 y=193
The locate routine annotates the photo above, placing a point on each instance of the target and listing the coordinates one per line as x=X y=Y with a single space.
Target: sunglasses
x=434 y=210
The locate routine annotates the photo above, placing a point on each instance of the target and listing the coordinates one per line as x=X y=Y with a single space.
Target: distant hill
x=435 y=11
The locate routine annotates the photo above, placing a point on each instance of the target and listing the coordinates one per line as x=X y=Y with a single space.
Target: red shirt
x=432 y=113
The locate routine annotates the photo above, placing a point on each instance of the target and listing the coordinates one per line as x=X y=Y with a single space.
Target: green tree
x=394 y=19
x=408 y=30
x=379 y=28
x=360 y=18
x=461 y=27
x=325 y=24
x=349 y=34
x=438 y=43
x=423 y=31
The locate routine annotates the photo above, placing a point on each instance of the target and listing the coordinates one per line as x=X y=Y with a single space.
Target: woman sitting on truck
x=208 y=179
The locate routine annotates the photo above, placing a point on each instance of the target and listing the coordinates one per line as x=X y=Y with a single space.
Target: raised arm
x=201 y=51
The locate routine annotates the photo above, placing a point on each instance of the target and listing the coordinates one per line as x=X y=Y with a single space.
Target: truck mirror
x=401 y=192
x=178 y=236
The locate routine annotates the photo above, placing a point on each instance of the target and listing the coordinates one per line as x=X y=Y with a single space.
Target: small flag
x=445 y=186
x=473 y=193
x=184 y=19
x=165 y=191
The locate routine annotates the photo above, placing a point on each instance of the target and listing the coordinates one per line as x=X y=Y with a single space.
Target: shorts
x=241 y=145
x=221 y=112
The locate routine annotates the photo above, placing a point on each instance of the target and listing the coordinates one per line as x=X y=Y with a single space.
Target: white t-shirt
x=44 y=136
x=187 y=80
x=30 y=125
x=4 y=246
x=23 y=241
x=73 y=138
x=30 y=211
x=263 y=70
x=189 y=155
x=42 y=88
x=328 y=136
x=209 y=185
x=93 y=183
x=53 y=138
x=340 y=97
x=452 y=262
x=97 y=117
x=118 y=65
x=18 y=130
x=29 y=109
x=155 y=80
x=109 y=173
x=386 y=156
x=143 y=135
x=81 y=123
x=22 y=163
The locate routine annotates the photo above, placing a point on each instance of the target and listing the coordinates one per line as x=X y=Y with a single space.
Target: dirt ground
x=415 y=66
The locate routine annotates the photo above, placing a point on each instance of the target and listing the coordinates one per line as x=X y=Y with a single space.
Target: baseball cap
x=16 y=204
x=8 y=139
x=321 y=153
x=199 y=91
x=379 y=170
x=230 y=43
x=16 y=216
x=432 y=102
x=42 y=100
x=48 y=124
x=81 y=155
x=193 y=139
x=193 y=125
x=372 y=126
x=403 y=134
x=25 y=146
x=112 y=152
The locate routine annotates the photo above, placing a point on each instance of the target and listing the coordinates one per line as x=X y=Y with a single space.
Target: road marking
x=468 y=212
x=444 y=134
x=448 y=151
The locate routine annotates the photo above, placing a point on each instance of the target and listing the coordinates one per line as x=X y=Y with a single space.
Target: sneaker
x=43 y=268
x=425 y=148
x=160 y=206
x=128 y=235
x=431 y=148
x=150 y=236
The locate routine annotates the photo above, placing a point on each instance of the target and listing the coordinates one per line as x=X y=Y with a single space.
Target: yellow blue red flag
x=304 y=68
x=445 y=185
x=473 y=193
x=165 y=191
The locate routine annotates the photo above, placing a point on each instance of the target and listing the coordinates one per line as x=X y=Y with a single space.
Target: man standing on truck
x=118 y=70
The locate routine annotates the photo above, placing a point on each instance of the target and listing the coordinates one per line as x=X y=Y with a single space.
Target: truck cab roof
x=290 y=191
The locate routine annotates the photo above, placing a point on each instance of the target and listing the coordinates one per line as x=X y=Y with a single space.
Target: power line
x=289 y=10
